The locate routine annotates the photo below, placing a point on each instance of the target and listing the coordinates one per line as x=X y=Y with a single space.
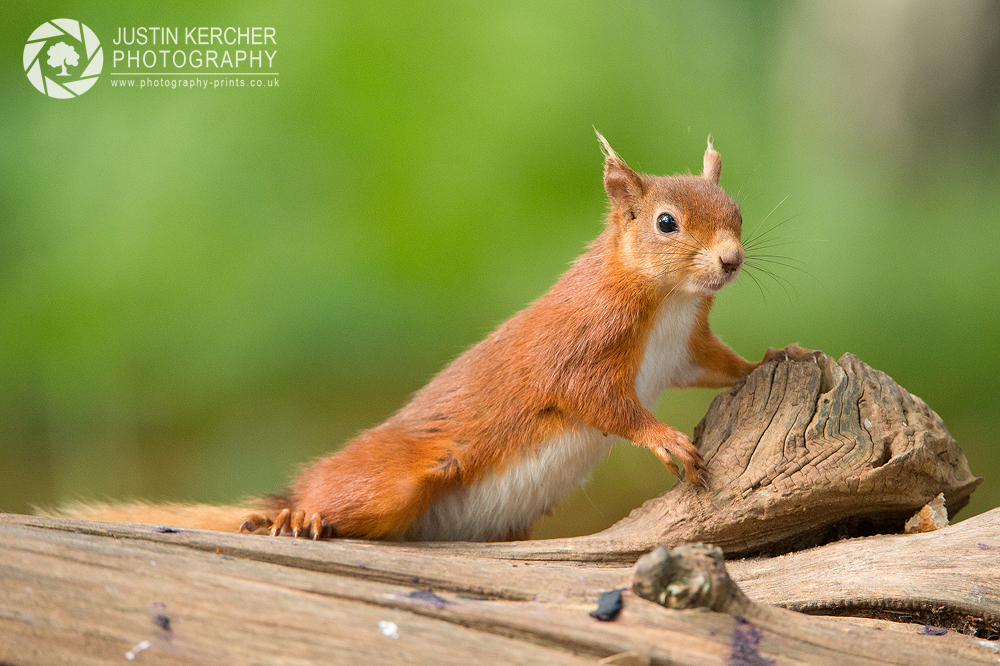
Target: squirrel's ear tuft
x=606 y=148
x=624 y=186
x=713 y=163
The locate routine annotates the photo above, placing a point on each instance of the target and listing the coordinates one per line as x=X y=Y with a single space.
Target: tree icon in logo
x=62 y=54
x=66 y=43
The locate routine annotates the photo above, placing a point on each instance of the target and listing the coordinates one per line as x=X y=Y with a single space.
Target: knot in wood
x=692 y=576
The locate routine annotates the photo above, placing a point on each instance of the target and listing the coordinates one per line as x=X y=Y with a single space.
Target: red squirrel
x=507 y=429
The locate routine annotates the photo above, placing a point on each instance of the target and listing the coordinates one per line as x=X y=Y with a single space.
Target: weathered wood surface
x=949 y=578
x=836 y=441
x=798 y=455
x=74 y=592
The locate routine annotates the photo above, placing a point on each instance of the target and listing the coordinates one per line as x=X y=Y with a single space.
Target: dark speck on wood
x=609 y=604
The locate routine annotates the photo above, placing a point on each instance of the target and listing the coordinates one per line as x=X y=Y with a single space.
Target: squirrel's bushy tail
x=221 y=518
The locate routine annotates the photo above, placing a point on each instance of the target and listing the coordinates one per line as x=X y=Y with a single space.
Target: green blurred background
x=202 y=290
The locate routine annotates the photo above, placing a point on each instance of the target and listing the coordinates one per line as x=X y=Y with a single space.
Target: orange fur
x=567 y=366
x=722 y=366
x=571 y=357
x=498 y=401
x=198 y=516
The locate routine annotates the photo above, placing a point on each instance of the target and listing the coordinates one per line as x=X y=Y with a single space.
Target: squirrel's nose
x=731 y=262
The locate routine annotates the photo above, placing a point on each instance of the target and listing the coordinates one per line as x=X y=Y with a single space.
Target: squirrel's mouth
x=712 y=284
x=714 y=269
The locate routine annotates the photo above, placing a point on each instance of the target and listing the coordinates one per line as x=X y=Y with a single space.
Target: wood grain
x=798 y=455
x=77 y=592
x=801 y=454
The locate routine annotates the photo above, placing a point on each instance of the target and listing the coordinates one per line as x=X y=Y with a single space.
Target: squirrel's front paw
x=792 y=352
x=289 y=523
x=667 y=442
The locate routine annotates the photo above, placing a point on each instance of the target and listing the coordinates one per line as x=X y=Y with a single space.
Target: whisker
x=778 y=280
x=793 y=267
x=700 y=244
x=765 y=236
x=751 y=248
x=759 y=287
x=774 y=257
x=752 y=234
x=672 y=289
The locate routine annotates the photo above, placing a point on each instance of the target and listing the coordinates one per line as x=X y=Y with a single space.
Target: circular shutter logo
x=63 y=58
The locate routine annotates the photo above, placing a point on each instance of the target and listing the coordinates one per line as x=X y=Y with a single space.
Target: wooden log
x=73 y=592
x=797 y=455
x=947 y=578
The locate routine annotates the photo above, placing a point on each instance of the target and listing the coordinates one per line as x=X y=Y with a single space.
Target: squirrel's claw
x=254 y=522
x=674 y=443
x=298 y=523
x=693 y=475
x=281 y=523
x=319 y=528
x=669 y=463
x=793 y=352
x=315 y=526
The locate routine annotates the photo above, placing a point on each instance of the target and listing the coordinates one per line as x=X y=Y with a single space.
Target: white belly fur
x=503 y=503
x=510 y=501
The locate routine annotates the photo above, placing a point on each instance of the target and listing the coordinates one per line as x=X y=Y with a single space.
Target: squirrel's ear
x=713 y=163
x=624 y=186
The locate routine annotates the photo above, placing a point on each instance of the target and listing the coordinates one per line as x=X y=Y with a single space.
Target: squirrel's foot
x=793 y=352
x=289 y=523
x=669 y=443
x=294 y=524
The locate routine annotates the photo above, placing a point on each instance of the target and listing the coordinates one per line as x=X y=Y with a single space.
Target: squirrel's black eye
x=666 y=223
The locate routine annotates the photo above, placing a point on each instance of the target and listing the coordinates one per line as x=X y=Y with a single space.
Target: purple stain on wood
x=984 y=546
x=428 y=596
x=931 y=630
x=158 y=614
x=166 y=530
x=743 y=648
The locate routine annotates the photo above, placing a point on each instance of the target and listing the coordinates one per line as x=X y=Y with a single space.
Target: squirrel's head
x=682 y=232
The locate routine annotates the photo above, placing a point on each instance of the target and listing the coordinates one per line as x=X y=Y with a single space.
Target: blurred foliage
x=202 y=290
